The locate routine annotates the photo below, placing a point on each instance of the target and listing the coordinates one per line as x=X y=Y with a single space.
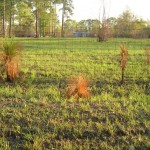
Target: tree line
x=41 y=18
x=125 y=25
x=33 y=17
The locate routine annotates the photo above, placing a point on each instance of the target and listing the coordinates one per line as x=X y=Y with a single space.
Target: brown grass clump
x=12 y=69
x=10 y=59
x=147 y=54
x=124 y=57
x=78 y=87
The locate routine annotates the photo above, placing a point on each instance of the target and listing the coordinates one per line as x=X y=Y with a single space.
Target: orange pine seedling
x=12 y=70
x=147 y=54
x=10 y=59
x=78 y=87
x=123 y=62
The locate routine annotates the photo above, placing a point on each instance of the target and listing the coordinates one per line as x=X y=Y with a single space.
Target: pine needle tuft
x=9 y=57
x=147 y=54
x=123 y=62
x=78 y=87
x=124 y=57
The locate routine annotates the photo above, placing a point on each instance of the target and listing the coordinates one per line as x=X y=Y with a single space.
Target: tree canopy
x=42 y=18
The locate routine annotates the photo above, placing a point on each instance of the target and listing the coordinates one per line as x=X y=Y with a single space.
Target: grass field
x=36 y=115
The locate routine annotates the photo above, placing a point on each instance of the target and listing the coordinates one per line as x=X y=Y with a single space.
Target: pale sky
x=85 y=9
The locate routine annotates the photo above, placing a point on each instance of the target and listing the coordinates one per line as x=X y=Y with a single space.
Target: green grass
x=82 y=43
x=34 y=113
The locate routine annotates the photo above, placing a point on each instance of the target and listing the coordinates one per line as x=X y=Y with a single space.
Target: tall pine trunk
x=10 y=20
x=4 y=5
x=63 y=16
x=36 y=24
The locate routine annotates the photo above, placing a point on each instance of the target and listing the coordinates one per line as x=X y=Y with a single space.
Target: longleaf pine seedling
x=10 y=59
x=78 y=87
x=147 y=55
x=123 y=62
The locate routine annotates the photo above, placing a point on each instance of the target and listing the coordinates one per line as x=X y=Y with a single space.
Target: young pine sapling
x=123 y=62
x=147 y=55
x=9 y=57
x=78 y=87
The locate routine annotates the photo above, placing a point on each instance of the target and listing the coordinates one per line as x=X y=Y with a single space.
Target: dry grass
x=124 y=57
x=78 y=87
x=10 y=59
x=12 y=68
x=147 y=54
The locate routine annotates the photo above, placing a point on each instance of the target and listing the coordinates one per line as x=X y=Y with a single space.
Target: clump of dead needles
x=9 y=57
x=147 y=54
x=123 y=62
x=78 y=87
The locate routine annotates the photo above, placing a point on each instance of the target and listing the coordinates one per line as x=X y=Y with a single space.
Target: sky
x=85 y=9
